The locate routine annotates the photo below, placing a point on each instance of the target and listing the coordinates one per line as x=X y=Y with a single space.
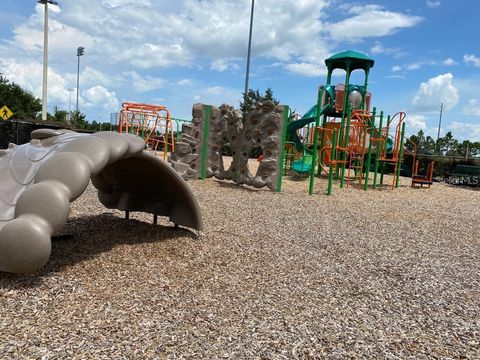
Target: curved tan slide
x=39 y=180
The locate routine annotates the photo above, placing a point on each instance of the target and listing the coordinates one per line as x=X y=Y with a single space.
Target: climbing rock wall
x=185 y=159
x=264 y=126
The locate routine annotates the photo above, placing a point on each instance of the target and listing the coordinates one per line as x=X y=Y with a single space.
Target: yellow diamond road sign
x=5 y=112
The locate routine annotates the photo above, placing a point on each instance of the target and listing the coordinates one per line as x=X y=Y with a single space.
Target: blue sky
x=177 y=53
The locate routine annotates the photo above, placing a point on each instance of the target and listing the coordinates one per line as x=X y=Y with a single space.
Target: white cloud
x=396 y=68
x=312 y=63
x=472 y=60
x=449 y=62
x=125 y=39
x=370 y=21
x=414 y=66
x=128 y=33
x=416 y=121
x=435 y=91
x=111 y=4
x=63 y=39
x=432 y=4
x=417 y=65
x=395 y=77
x=472 y=108
x=222 y=65
x=378 y=48
x=307 y=69
x=100 y=96
x=150 y=55
x=210 y=95
x=466 y=131
x=29 y=76
x=144 y=83
x=89 y=75
x=185 y=82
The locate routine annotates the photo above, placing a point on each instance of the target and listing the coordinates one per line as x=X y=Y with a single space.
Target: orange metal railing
x=152 y=122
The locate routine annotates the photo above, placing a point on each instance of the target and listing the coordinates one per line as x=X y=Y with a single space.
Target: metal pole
x=45 y=62
x=346 y=141
x=332 y=160
x=369 y=153
x=78 y=80
x=286 y=111
x=377 y=153
x=70 y=90
x=203 y=170
x=400 y=157
x=249 y=51
x=439 y=126
x=315 y=143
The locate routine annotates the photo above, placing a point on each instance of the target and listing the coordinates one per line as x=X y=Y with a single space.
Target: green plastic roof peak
x=351 y=59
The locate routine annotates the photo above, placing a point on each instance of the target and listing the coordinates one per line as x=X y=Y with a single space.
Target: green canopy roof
x=351 y=59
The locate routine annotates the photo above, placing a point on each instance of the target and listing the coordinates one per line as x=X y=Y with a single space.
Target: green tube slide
x=304 y=164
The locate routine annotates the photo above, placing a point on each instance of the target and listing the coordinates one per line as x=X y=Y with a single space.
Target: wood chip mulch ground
x=377 y=274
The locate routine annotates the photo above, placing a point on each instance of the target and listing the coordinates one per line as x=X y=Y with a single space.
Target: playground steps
x=421 y=180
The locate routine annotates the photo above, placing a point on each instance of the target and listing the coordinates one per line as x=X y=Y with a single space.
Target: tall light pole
x=70 y=90
x=439 y=126
x=249 y=51
x=45 y=56
x=79 y=53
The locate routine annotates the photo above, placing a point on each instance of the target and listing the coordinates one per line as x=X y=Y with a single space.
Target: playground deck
x=388 y=274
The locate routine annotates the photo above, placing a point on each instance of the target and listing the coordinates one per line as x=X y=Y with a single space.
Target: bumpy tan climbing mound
x=39 y=180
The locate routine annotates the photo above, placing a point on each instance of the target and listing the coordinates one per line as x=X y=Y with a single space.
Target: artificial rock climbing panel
x=213 y=127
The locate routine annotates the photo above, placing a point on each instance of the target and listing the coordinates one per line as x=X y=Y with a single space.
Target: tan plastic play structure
x=38 y=181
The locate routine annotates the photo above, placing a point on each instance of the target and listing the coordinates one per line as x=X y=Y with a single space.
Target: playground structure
x=343 y=139
x=346 y=140
x=40 y=179
x=151 y=122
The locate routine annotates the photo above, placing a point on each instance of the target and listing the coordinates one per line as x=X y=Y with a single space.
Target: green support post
x=382 y=173
x=340 y=143
x=203 y=172
x=315 y=144
x=345 y=146
x=286 y=116
x=322 y=135
x=400 y=157
x=365 y=86
x=332 y=157
x=369 y=153
x=377 y=153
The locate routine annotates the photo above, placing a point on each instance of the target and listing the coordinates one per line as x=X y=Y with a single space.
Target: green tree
x=78 y=120
x=254 y=97
x=474 y=149
x=448 y=144
x=416 y=141
x=429 y=144
x=23 y=103
x=468 y=149
x=59 y=116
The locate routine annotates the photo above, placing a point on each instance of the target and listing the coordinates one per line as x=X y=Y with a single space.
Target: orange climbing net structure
x=151 y=122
